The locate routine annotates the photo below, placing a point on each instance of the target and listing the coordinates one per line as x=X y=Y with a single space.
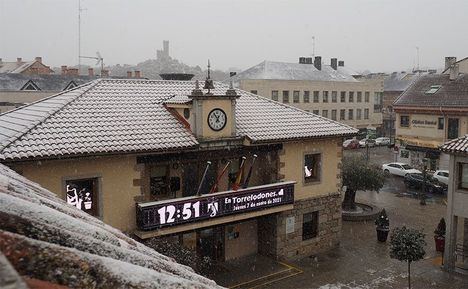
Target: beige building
x=433 y=110
x=332 y=91
x=456 y=236
x=135 y=153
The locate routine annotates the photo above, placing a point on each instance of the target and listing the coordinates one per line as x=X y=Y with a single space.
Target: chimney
x=64 y=69
x=302 y=60
x=19 y=59
x=318 y=62
x=72 y=71
x=454 y=69
x=334 y=63
x=449 y=61
x=232 y=73
x=137 y=74
x=38 y=59
x=104 y=73
x=129 y=74
x=341 y=63
x=90 y=71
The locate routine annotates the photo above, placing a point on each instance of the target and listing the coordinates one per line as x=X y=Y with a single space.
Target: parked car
x=441 y=176
x=368 y=141
x=399 y=169
x=417 y=181
x=382 y=141
x=351 y=144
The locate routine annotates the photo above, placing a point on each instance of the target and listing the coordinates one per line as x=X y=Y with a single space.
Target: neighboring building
x=333 y=91
x=25 y=67
x=394 y=85
x=461 y=65
x=433 y=110
x=456 y=241
x=18 y=89
x=133 y=152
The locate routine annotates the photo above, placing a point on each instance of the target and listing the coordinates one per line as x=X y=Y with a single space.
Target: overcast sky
x=379 y=35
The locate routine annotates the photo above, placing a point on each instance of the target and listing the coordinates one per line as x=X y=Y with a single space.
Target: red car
x=351 y=144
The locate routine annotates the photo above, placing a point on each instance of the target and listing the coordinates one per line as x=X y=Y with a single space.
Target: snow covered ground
x=46 y=239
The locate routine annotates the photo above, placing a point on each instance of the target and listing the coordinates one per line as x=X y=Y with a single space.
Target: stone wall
x=274 y=242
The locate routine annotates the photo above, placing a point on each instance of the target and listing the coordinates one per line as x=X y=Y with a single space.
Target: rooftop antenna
x=99 y=59
x=79 y=33
x=313 y=46
x=417 y=59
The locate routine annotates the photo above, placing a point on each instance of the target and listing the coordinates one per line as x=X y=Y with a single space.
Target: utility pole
x=423 y=192
x=313 y=46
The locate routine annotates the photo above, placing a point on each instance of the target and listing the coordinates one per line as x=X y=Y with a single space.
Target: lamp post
x=423 y=192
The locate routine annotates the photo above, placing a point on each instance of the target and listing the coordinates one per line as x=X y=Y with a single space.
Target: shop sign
x=423 y=123
x=155 y=215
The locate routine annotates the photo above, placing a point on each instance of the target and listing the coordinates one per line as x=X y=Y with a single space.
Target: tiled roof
x=399 y=81
x=14 y=67
x=459 y=145
x=119 y=116
x=452 y=93
x=293 y=71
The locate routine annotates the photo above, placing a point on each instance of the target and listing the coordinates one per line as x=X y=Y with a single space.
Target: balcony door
x=453 y=127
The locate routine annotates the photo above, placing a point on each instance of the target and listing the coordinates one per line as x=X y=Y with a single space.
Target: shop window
x=452 y=131
x=306 y=96
x=84 y=195
x=312 y=163
x=274 y=95
x=440 y=123
x=463 y=176
x=295 y=96
x=285 y=96
x=310 y=225
x=404 y=121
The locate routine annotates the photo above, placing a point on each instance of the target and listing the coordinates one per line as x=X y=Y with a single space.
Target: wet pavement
x=361 y=262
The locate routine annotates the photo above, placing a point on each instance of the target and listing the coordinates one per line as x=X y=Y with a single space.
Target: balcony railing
x=160 y=214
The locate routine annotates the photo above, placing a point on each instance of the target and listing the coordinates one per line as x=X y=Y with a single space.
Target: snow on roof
x=46 y=239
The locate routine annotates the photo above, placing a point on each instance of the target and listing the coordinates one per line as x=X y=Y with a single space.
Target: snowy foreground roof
x=45 y=239
x=459 y=145
x=128 y=116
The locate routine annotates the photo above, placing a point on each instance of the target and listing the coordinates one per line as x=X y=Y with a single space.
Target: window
x=295 y=96
x=350 y=114
x=253 y=91
x=285 y=96
x=312 y=168
x=315 y=111
x=378 y=101
x=30 y=85
x=351 y=96
x=452 y=130
x=358 y=113
x=325 y=96
x=463 y=176
x=316 y=96
x=366 y=96
x=440 y=123
x=342 y=114
x=404 y=154
x=274 y=95
x=343 y=96
x=433 y=89
x=325 y=113
x=306 y=96
x=310 y=225
x=359 y=96
x=83 y=194
x=404 y=121
x=366 y=113
x=333 y=114
x=334 y=96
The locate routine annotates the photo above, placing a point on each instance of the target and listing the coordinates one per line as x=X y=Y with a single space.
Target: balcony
x=260 y=200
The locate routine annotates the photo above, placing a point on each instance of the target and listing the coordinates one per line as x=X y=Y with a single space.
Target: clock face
x=217 y=119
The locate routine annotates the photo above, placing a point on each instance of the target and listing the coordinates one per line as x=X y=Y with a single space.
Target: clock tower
x=214 y=114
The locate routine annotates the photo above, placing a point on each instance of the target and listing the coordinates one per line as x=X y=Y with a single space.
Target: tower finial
x=208 y=82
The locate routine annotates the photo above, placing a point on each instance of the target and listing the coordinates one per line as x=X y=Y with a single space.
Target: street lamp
x=423 y=192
